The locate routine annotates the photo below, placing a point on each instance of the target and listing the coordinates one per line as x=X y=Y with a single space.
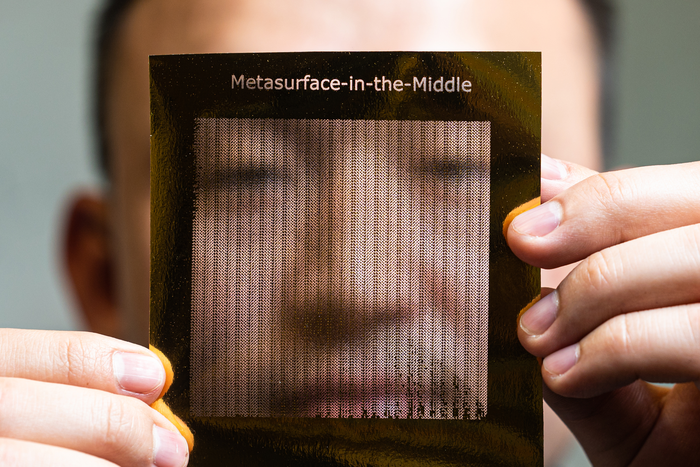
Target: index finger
x=82 y=359
x=559 y=175
x=604 y=210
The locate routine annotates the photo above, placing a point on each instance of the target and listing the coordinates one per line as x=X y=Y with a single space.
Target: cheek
x=409 y=240
x=134 y=225
x=137 y=265
x=141 y=236
x=132 y=258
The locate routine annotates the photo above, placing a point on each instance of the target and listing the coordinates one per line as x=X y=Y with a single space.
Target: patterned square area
x=340 y=269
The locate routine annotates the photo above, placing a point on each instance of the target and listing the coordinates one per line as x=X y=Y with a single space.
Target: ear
x=89 y=262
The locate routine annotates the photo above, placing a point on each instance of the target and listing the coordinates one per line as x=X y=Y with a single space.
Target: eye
x=253 y=177
x=447 y=170
x=243 y=178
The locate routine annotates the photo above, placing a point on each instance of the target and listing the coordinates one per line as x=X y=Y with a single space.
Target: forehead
x=558 y=29
x=182 y=26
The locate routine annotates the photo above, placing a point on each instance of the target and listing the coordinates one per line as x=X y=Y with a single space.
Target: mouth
x=328 y=326
x=399 y=398
x=344 y=363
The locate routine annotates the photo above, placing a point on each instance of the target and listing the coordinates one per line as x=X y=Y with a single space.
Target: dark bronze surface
x=506 y=92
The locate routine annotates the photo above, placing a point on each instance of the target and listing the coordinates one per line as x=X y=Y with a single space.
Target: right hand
x=76 y=398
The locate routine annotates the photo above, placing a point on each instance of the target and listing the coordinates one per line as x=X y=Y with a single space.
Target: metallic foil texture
x=329 y=276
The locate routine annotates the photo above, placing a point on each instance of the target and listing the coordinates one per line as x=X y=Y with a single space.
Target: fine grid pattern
x=340 y=269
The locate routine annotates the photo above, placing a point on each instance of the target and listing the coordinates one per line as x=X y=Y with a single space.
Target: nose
x=345 y=272
x=357 y=234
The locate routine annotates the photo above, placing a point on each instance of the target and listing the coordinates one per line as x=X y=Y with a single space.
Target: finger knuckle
x=690 y=237
x=119 y=427
x=12 y=453
x=3 y=389
x=618 y=337
x=116 y=422
x=611 y=190
x=689 y=325
x=6 y=402
x=69 y=359
x=76 y=359
x=693 y=318
x=601 y=269
x=7 y=456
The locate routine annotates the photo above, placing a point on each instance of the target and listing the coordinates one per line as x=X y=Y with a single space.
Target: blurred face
x=340 y=268
x=558 y=29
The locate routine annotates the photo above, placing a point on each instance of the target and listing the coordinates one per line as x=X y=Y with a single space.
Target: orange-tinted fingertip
x=161 y=407
x=529 y=305
x=169 y=374
x=519 y=210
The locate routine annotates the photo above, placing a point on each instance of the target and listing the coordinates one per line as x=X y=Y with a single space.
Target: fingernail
x=552 y=169
x=562 y=360
x=541 y=315
x=169 y=448
x=137 y=373
x=539 y=221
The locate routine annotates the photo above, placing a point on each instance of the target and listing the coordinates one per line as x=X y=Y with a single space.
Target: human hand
x=74 y=398
x=628 y=313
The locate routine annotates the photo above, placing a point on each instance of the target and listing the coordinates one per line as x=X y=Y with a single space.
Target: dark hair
x=108 y=22
x=114 y=11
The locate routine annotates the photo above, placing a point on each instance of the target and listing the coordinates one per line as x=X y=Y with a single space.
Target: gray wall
x=658 y=111
x=44 y=151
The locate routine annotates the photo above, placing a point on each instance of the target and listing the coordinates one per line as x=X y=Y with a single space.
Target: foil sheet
x=329 y=274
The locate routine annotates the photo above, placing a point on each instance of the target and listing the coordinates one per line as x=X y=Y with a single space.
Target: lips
x=359 y=388
x=391 y=369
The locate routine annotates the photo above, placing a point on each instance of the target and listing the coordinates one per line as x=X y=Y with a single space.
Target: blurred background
x=46 y=150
